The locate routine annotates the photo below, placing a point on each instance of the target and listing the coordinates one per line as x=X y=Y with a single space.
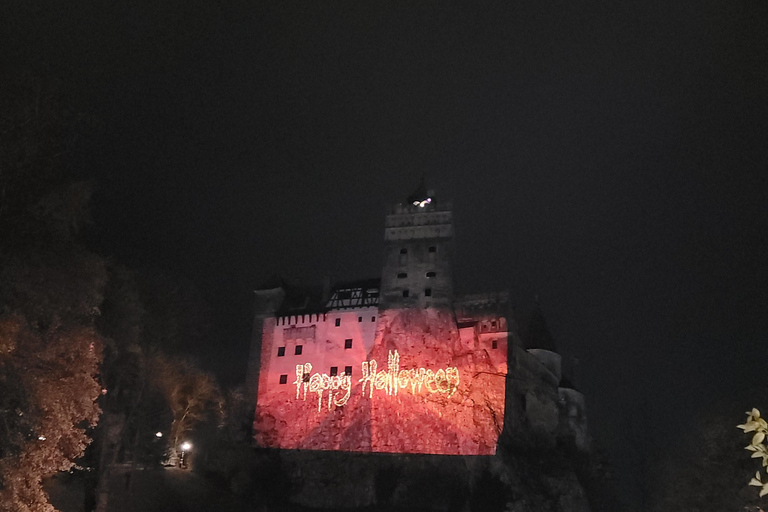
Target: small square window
x=347 y=343
x=402 y=275
x=284 y=379
x=403 y=251
x=280 y=351
x=347 y=370
x=428 y=292
x=359 y=319
x=494 y=344
x=338 y=322
x=431 y=274
x=432 y=248
x=305 y=377
x=373 y=319
x=405 y=293
x=334 y=371
x=297 y=350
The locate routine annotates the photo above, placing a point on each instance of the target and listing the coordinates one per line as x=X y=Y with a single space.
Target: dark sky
x=609 y=157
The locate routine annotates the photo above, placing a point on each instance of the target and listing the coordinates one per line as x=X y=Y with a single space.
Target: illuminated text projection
x=391 y=380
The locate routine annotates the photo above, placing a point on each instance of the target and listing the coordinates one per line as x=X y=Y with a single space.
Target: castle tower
x=418 y=238
x=269 y=297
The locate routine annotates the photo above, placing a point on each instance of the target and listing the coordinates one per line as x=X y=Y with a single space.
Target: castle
x=400 y=364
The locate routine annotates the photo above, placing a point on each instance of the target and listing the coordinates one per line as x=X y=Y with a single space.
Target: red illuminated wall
x=434 y=388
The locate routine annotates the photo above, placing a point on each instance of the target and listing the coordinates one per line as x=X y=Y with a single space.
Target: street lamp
x=185 y=447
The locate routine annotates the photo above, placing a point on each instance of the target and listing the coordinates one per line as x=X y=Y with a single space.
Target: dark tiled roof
x=272 y=282
x=355 y=294
x=536 y=334
x=303 y=299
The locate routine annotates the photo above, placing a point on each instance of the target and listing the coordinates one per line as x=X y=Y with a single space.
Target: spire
x=273 y=281
x=536 y=334
x=420 y=196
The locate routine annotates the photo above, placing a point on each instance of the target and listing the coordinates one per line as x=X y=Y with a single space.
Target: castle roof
x=536 y=334
x=355 y=294
x=272 y=282
x=301 y=299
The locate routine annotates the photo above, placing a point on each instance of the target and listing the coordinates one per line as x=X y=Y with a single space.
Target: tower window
x=283 y=379
x=432 y=248
x=334 y=371
x=494 y=344
x=403 y=251
x=373 y=319
x=359 y=319
x=402 y=275
x=338 y=322
x=405 y=293
x=280 y=351
x=427 y=292
x=347 y=343
x=347 y=370
x=431 y=274
x=297 y=350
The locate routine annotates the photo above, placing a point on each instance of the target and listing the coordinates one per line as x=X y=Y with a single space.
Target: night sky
x=610 y=158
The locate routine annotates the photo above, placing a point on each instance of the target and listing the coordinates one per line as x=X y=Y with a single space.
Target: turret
x=268 y=299
x=418 y=236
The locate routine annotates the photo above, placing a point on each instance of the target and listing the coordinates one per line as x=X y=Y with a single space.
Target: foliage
x=144 y=315
x=226 y=443
x=49 y=362
x=49 y=394
x=757 y=446
x=51 y=290
x=176 y=314
x=707 y=475
x=75 y=328
x=189 y=392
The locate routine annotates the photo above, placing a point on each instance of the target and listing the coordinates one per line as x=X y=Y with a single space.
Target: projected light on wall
x=424 y=385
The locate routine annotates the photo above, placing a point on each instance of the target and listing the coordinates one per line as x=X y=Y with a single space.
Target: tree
x=49 y=391
x=190 y=393
x=50 y=292
x=176 y=314
x=49 y=362
x=145 y=314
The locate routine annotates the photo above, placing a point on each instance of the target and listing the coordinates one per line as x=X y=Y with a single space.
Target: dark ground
x=168 y=490
x=158 y=490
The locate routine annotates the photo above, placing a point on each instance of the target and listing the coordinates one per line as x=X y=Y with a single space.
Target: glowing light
x=440 y=381
x=339 y=386
x=185 y=446
x=158 y=434
x=390 y=381
x=422 y=204
x=42 y=438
